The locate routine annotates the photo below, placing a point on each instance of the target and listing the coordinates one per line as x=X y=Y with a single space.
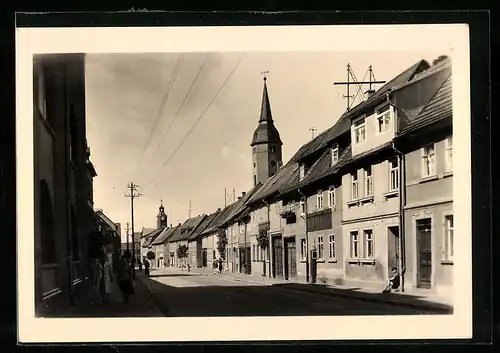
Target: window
x=254 y=164
x=302 y=207
x=428 y=161
x=302 y=171
x=354 y=245
x=320 y=248
x=449 y=154
x=331 y=198
x=384 y=119
x=303 y=249
x=319 y=200
x=354 y=186
x=359 y=131
x=335 y=155
x=448 y=245
x=273 y=163
x=369 y=250
x=331 y=247
x=368 y=182
x=272 y=148
x=393 y=175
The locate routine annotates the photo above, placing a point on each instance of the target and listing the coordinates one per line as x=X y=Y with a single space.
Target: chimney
x=243 y=193
x=369 y=93
x=218 y=209
x=170 y=225
x=180 y=223
x=239 y=198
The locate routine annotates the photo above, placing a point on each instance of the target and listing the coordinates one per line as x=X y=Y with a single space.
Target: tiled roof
x=203 y=225
x=343 y=125
x=106 y=219
x=275 y=184
x=439 y=107
x=239 y=206
x=147 y=231
x=321 y=168
x=164 y=235
x=218 y=220
x=187 y=228
x=440 y=66
x=151 y=237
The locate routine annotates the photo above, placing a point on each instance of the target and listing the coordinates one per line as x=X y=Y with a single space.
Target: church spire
x=265 y=110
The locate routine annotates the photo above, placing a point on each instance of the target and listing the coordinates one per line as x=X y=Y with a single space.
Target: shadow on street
x=259 y=300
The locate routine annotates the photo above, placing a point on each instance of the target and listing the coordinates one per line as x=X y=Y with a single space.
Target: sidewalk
x=140 y=304
x=415 y=300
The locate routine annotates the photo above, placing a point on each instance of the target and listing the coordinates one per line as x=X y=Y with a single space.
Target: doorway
x=424 y=253
x=290 y=258
x=393 y=252
x=277 y=256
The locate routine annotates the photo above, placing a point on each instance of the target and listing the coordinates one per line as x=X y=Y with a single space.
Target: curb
x=353 y=295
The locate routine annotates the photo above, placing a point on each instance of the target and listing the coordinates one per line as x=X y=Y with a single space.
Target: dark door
x=277 y=257
x=393 y=248
x=248 y=261
x=290 y=258
x=424 y=253
x=204 y=257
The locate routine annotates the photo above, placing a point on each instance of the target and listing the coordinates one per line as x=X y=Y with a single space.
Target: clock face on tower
x=162 y=218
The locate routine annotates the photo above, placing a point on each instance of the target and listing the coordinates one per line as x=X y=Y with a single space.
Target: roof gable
x=203 y=225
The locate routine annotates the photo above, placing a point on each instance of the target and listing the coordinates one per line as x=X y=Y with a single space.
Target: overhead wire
x=197 y=122
x=182 y=104
x=160 y=109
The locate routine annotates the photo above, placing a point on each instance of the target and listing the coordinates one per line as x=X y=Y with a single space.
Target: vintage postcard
x=289 y=183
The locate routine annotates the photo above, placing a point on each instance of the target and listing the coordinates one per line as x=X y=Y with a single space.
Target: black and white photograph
x=257 y=176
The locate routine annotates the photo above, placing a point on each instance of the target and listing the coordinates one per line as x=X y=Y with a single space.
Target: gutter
x=307 y=235
x=402 y=204
x=268 y=237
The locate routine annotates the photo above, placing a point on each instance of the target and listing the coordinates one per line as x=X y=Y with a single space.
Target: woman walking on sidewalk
x=125 y=277
x=104 y=278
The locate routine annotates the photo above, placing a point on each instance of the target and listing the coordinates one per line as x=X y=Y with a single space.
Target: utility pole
x=133 y=194
x=128 y=229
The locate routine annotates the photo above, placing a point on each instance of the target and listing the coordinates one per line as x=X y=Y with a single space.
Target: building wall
x=329 y=270
x=442 y=267
x=372 y=136
x=382 y=203
x=262 y=156
x=65 y=98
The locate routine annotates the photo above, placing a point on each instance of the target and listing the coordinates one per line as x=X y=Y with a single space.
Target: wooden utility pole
x=133 y=194
x=128 y=229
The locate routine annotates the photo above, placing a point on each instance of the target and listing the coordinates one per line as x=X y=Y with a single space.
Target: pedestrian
x=220 y=265
x=104 y=278
x=140 y=266
x=393 y=281
x=215 y=266
x=125 y=277
x=146 y=267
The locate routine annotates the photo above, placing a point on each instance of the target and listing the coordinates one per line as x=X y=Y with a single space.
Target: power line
x=198 y=120
x=182 y=104
x=160 y=109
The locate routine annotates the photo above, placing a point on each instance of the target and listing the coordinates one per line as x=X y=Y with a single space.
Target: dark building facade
x=64 y=215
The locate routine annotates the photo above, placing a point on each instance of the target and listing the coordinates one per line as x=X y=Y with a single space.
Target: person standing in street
x=220 y=265
x=125 y=277
x=146 y=267
x=104 y=278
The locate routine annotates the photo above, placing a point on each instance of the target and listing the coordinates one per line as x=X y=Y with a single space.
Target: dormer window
x=335 y=155
x=359 y=129
x=384 y=119
x=302 y=171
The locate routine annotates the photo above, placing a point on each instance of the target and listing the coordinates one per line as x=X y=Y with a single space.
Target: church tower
x=161 y=219
x=266 y=143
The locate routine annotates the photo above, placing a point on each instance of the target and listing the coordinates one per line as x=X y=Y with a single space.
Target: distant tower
x=266 y=144
x=161 y=219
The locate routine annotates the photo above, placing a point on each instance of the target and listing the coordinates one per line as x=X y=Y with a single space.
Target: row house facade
x=64 y=215
x=180 y=238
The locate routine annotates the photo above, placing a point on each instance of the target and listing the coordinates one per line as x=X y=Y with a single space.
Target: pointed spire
x=265 y=110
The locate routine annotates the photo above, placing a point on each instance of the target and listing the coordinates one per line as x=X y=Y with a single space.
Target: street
x=191 y=295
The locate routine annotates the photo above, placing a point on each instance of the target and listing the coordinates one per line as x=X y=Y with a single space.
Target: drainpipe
x=268 y=237
x=402 y=203
x=307 y=235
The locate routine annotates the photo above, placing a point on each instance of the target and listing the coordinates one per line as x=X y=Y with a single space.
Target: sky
x=131 y=142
